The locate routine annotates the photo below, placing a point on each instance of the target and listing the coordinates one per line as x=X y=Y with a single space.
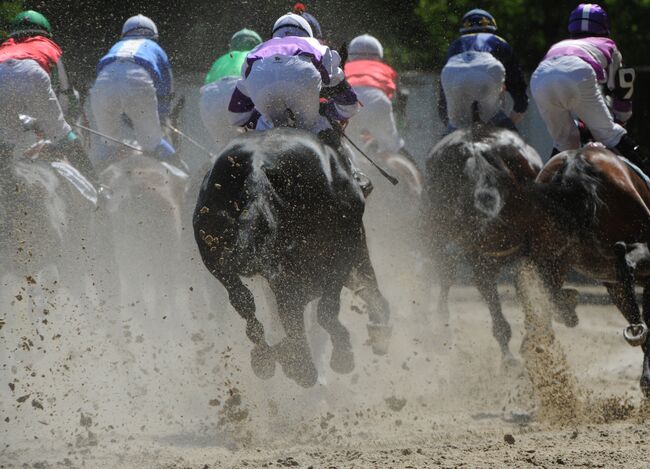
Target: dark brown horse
x=477 y=181
x=594 y=216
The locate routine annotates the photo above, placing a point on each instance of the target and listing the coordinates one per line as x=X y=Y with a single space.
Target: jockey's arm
x=165 y=89
x=516 y=86
x=621 y=102
x=68 y=97
x=341 y=100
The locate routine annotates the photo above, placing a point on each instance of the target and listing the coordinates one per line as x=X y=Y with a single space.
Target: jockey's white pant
x=25 y=88
x=285 y=90
x=126 y=88
x=376 y=118
x=215 y=98
x=472 y=77
x=566 y=87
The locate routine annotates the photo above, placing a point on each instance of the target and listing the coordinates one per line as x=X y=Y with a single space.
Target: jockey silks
x=150 y=56
x=375 y=85
x=228 y=65
x=42 y=50
x=372 y=73
x=502 y=51
x=288 y=72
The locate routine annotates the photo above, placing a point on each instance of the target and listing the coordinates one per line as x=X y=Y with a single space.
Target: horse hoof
x=342 y=360
x=567 y=301
x=295 y=358
x=307 y=379
x=379 y=337
x=510 y=364
x=262 y=361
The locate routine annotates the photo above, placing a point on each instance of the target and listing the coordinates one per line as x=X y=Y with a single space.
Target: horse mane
x=572 y=195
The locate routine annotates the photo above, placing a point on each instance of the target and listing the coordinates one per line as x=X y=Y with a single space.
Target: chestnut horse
x=594 y=216
x=475 y=200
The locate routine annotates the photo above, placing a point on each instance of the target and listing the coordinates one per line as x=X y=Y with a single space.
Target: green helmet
x=245 y=39
x=29 y=23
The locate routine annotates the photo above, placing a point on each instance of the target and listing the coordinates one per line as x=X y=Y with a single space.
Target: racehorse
x=282 y=205
x=593 y=215
x=145 y=210
x=476 y=184
x=48 y=213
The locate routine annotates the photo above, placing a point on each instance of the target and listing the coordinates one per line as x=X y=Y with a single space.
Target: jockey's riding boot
x=631 y=150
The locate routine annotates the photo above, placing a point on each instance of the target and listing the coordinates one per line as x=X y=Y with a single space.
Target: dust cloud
x=126 y=354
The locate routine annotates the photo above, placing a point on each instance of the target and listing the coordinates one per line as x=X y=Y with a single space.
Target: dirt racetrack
x=84 y=390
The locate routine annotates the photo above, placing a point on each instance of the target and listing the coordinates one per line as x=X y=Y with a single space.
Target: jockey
x=134 y=89
x=283 y=79
x=479 y=65
x=375 y=83
x=29 y=61
x=220 y=83
x=567 y=84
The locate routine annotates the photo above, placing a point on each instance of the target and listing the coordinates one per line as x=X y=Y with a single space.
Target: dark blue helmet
x=478 y=21
x=301 y=9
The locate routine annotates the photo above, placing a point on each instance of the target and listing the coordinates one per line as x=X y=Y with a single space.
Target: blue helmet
x=589 y=19
x=301 y=9
x=478 y=21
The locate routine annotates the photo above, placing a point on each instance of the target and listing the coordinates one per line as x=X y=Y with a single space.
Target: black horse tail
x=257 y=223
x=572 y=196
x=476 y=114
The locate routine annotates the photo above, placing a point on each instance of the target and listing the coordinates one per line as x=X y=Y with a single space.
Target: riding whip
x=393 y=180
x=190 y=139
x=107 y=137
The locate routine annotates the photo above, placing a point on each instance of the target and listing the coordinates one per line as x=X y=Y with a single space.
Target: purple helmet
x=589 y=18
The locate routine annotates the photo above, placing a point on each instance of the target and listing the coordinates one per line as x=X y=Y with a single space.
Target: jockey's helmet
x=365 y=47
x=245 y=39
x=589 y=19
x=292 y=25
x=30 y=23
x=301 y=9
x=477 y=21
x=140 y=26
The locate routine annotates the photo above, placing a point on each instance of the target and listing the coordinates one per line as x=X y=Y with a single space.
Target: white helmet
x=141 y=26
x=292 y=25
x=365 y=47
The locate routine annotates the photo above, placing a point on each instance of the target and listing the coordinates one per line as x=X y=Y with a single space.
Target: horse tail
x=572 y=196
x=487 y=196
x=257 y=223
x=476 y=114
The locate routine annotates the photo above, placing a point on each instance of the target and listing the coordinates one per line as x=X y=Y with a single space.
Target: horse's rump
x=593 y=200
x=476 y=180
x=272 y=195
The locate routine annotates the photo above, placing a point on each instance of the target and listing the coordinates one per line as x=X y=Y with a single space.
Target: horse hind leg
x=293 y=351
x=329 y=305
x=242 y=300
x=645 y=373
x=363 y=282
x=624 y=296
x=486 y=282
